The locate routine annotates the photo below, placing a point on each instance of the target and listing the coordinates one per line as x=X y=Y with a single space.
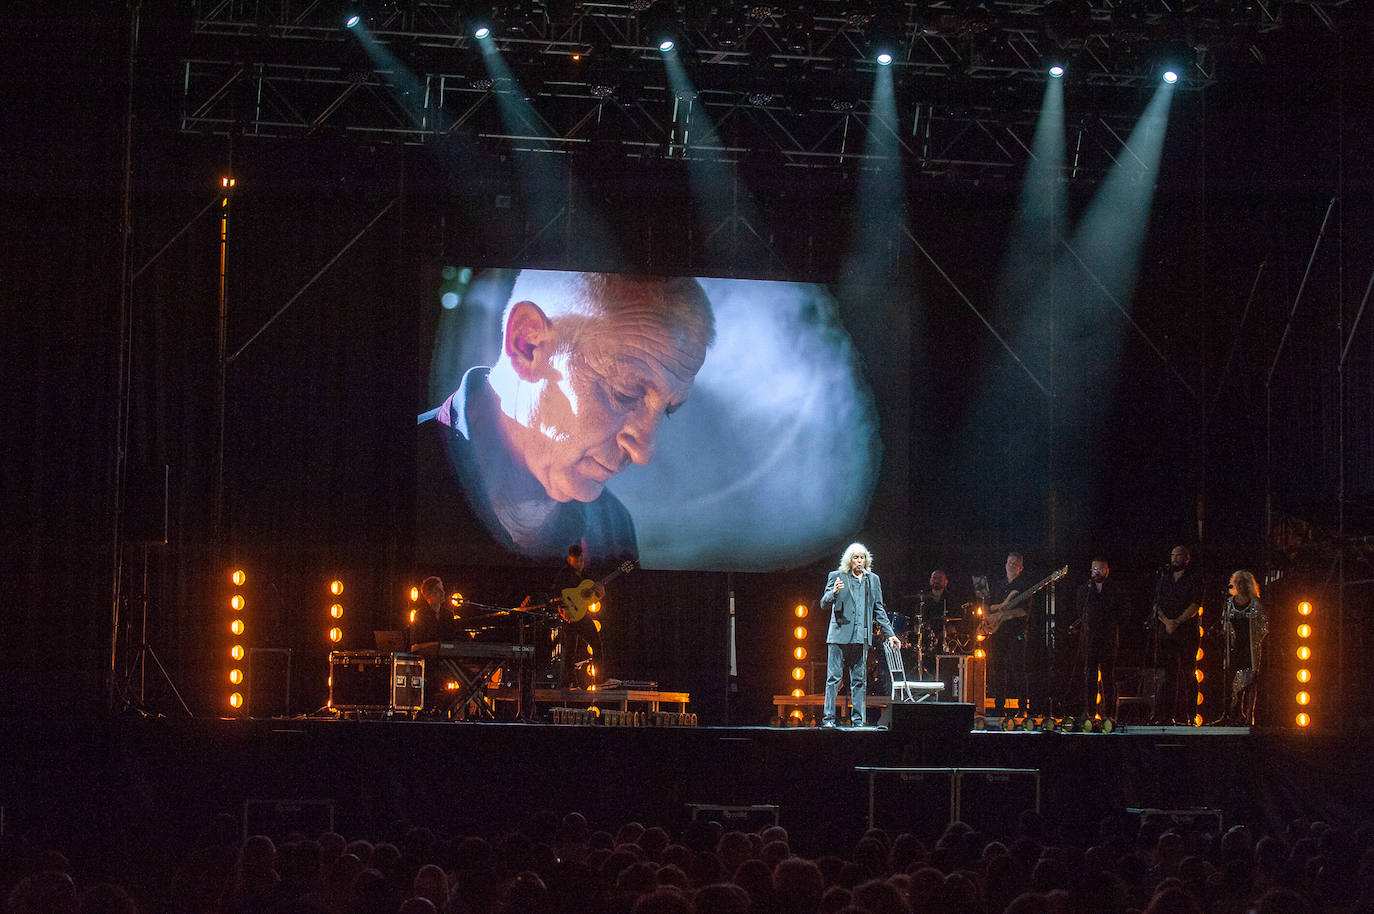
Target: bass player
x=1006 y=646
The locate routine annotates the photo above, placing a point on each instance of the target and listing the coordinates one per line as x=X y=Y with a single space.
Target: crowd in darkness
x=553 y=865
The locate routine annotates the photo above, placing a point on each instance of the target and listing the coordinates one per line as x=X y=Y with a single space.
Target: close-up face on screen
x=689 y=423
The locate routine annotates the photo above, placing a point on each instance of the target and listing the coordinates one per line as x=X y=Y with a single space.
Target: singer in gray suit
x=854 y=596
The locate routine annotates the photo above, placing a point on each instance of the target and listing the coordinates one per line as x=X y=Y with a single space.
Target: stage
x=157 y=782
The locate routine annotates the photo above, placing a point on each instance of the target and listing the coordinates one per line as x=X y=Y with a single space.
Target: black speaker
x=935 y=732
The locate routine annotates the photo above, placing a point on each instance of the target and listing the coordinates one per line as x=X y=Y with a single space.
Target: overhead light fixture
x=1170 y=77
x=884 y=59
x=1057 y=71
x=662 y=26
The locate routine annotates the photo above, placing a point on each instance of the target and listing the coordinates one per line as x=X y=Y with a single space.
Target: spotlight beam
x=974 y=308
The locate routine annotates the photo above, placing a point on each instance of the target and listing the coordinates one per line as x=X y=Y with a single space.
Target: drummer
x=937 y=605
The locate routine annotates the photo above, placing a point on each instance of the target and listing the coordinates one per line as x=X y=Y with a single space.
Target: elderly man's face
x=612 y=382
x=857 y=562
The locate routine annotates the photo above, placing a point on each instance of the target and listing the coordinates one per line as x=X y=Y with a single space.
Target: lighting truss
x=787 y=80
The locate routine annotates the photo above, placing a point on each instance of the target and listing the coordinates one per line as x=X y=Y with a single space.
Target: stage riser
x=172 y=777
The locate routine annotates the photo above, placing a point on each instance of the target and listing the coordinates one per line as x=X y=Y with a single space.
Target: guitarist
x=1006 y=646
x=580 y=640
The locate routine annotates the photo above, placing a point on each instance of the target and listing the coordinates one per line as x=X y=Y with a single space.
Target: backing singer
x=854 y=597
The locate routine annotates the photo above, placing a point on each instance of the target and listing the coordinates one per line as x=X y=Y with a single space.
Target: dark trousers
x=1007 y=670
x=1103 y=660
x=577 y=637
x=1178 y=659
x=838 y=658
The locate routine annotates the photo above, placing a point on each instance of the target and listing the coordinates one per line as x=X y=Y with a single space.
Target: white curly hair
x=854 y=549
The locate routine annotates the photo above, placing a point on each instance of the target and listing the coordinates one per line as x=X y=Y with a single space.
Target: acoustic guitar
x=1014 y=608
x=575 y=601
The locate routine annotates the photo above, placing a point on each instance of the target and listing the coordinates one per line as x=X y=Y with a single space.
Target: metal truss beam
x=785 y=80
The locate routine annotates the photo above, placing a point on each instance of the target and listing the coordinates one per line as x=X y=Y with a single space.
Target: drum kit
x=922 y=640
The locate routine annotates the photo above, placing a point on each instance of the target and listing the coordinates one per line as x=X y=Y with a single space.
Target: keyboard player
x=433 y=615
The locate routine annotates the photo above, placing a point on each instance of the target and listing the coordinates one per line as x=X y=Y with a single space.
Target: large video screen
x=689 y=423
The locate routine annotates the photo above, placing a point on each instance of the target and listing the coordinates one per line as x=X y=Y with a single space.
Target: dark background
x=318 y=463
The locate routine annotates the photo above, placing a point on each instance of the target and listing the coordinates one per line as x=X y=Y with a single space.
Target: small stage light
x=799 y=653
x=236 y=652
x=336 y=587
x=351 y=22
x=482 y=32
x=884 y=59
x=238 y=577
x=1303 y=720
x=800 y=611
x=236 y=701
x=1170 y=77
x=666 y=45
x=799 y=632
x=336 y=634
x=1056 y=71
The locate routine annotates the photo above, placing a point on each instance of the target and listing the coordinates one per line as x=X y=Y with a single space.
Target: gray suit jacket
x=854 y=609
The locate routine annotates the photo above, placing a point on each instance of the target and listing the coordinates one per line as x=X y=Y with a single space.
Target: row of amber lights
x=237 y=578
x=1304 y=697
x=336 y=611
x=799 y=634
x=238 y=629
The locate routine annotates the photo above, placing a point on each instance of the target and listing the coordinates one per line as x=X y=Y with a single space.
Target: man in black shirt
x=433 y=614
x=1101 y=609
x=1006 y=647
x=580 y=640
x=1177 y=603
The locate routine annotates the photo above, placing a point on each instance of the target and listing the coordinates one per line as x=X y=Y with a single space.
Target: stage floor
x=73 y=780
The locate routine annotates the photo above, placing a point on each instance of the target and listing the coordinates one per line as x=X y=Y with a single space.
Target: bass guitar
x=574 y=602
x=1013 y=607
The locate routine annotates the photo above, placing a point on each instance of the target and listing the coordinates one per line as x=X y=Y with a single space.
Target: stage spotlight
x=662 y=26
x=799 y=652
x=352 y=20
x=799 y=632
x=1057 y=71
x=236 y=627
x=237 y=578
x=236 y=602
x=236 y=652
x=1170 y=77
x=884 y=59
x=236 y=701
x=800 y=611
